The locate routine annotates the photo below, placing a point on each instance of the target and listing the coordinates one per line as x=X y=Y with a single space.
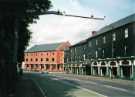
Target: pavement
x=27 y=88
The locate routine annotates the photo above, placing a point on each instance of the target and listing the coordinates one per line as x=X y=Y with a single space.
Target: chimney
x=93 y=33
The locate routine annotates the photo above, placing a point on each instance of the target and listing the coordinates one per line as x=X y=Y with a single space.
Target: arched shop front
x=103 y=69
x=113 y=69
x=126 y=70
x=95 y=68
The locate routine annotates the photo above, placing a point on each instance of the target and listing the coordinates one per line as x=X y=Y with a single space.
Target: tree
x=15 y=15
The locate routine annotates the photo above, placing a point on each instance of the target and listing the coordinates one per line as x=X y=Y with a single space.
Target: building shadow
x=53 y=86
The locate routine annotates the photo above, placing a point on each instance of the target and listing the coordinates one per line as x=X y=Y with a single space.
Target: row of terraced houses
x=108 y=52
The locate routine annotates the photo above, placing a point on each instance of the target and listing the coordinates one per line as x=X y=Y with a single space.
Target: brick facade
x=49 y=60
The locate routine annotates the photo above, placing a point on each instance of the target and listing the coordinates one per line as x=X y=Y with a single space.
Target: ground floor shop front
x=124 y=69
x=44 y=67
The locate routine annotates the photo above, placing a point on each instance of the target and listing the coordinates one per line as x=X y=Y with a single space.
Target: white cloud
x=51 y=28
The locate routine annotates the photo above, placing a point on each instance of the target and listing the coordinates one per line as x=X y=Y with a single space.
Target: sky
x=53 y=29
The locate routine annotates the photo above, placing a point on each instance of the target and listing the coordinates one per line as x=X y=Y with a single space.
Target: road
x=88 y=88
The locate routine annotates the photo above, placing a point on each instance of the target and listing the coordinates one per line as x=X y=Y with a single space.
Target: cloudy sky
x=52 y=28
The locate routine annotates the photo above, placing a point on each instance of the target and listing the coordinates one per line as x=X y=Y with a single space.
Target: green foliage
x=32 y=10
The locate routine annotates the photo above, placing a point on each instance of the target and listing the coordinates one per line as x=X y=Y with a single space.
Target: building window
x=31 y=59
x=114 y=37
x=47 y=66
x=27 y=65
x=47 y=59
x=96 y=54
x=90 y=44
x=36 y=59
x=67 y=59
x=96 y=42
x=41 y=59
x=26 y=59
x=41 y=54
x=53 y=53
x=84 y=57
x=75 y=50
x=125 y=50
x=103 y=52
x=84 y=48
x=104 y=39
x=36 y=54
x=53 y=59
x=126 y=33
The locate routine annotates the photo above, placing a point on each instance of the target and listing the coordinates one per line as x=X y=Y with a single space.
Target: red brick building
x=46 y=57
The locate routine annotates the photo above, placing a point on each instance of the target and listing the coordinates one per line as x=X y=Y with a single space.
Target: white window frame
x=96 y=54
x=90 y=44
x=84 y=56
x=96 y=42
x=126 y=33
x=114 y=36
x=103 y=51
x=104 y=39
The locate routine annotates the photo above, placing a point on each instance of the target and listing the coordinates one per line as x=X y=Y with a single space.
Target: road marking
x=116 y=88
x=55 y=79
x=91 y=82
x=41 y=90
x=90 y=91
x=94 y=83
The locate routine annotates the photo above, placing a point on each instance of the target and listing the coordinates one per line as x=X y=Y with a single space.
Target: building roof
x=80 y=43
x=119 y=23
x=47 y=47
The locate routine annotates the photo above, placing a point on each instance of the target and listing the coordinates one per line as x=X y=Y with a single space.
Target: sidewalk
x=27 y=88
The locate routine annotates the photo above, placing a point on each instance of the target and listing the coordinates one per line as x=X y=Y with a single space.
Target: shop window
x=47 y=66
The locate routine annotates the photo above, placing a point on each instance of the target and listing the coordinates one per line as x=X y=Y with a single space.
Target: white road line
x=108 y=86
x=116 y=88
x=91 y=82
x=41 y=90
x=90 y=91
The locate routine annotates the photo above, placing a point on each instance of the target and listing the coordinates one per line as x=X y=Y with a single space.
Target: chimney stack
x=93 y=33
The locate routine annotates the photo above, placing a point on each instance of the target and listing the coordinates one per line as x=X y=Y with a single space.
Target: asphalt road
x=105 y=88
